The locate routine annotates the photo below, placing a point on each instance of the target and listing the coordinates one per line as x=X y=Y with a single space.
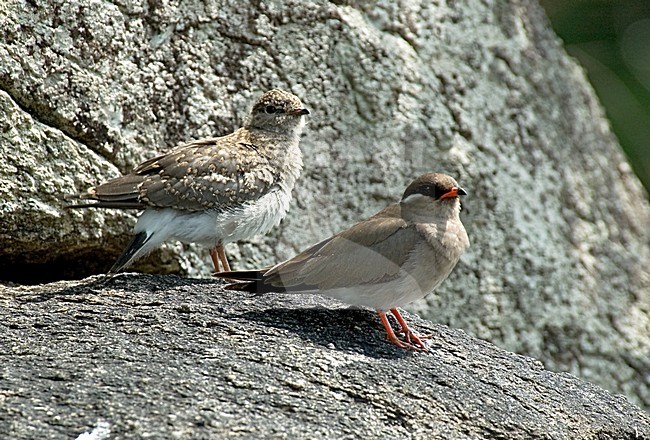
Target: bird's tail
x=119 y=193
x=109 y=205
x=248 y=281
x=133 y=251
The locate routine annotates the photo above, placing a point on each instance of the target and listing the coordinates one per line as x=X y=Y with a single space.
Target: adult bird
x=387 y=261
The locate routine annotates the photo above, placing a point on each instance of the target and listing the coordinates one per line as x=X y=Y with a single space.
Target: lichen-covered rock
x=560 y=261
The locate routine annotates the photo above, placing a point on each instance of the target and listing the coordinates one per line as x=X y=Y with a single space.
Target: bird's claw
x=413 y=342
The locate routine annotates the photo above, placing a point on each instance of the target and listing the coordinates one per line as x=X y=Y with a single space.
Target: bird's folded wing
x=370 y=251
x=215 y=173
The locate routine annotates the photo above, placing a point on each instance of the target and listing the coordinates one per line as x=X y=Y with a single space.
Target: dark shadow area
x=125 y=281
x=36 y=268
x=332 y=328
x=24 y=269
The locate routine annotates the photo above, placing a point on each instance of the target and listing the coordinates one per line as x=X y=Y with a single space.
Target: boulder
x=559 y=267
x=143 y=356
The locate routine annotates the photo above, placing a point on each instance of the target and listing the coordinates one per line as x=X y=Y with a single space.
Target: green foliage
x=611 y=39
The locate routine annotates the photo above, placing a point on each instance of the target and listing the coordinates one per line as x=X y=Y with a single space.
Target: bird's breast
x=256 y=217
x=447 y=239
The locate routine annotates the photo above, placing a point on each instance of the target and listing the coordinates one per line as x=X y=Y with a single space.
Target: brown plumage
x=215 y=190
x=398 y=255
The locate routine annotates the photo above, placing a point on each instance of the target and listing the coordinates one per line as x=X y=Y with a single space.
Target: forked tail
x=248 y=281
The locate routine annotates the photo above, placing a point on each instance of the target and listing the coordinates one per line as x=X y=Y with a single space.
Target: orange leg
x=411 y=337
x=389 y=331
x=215 y=259
x=219 y=259
x=221 y=253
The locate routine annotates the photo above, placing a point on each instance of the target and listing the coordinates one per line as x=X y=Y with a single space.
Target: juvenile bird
x=216 y=190
x=397 y=256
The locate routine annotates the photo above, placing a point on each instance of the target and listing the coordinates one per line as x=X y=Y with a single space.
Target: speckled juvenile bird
x=397 y=256
x=213 y=191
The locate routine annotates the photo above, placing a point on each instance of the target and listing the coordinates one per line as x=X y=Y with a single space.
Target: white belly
x=254 y=219
x=209 y=228
x=385 y=296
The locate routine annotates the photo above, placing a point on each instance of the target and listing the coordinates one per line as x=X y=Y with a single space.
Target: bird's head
x=432 y=190
x=277 y=111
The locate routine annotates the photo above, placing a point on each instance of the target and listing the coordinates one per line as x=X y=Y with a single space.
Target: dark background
x=611 y=40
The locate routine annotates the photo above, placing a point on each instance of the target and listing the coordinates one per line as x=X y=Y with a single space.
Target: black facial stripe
x=431 y=185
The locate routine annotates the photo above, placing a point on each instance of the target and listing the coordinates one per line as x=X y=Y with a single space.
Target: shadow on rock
x=78 y=291
x=353 y=330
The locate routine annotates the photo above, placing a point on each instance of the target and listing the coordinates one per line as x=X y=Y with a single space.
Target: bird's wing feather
x=119 y=193
x=207 y=174
x=213 y=173
x=352 y=257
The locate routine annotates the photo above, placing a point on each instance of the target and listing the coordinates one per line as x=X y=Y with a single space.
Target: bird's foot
x=413 y=341
x=410 y=336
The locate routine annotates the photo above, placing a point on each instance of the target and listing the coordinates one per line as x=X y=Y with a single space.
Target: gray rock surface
x=166 y=357
x=560 y=263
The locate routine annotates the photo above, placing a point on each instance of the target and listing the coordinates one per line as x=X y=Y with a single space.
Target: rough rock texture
x=560 y=263
x=166 y=357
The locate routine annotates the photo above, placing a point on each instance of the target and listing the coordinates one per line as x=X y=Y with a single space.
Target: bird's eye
x=428 y=191
x=270 y=109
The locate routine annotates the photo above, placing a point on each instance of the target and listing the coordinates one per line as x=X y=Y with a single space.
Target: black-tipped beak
x=454 y=192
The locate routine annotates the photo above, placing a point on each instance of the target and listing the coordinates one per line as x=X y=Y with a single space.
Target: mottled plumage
x=216 y=190
x=397 y=256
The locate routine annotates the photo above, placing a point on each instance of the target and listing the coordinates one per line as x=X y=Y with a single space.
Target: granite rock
x=559 y=267
x=144 y=356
